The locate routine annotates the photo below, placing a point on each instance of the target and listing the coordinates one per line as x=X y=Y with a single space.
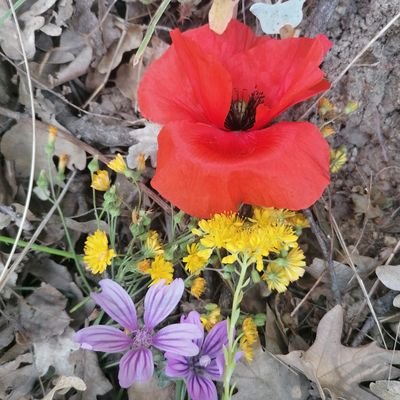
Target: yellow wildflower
x=219 y=230
x=265 y=217
x=97 y=254
x=292 y=265
x=144 y=266
x=52 y=130
x=152 y=246
x=283 y=237
x=118 y=164
x=198 y=287
x=100 y=181
x=299 y=221
x=327 y=130
x=209 y=320
x=196 y=259
x=276 y=278
x=325 y=106
x=249 y=338
x=161 y=269
x=338 y=159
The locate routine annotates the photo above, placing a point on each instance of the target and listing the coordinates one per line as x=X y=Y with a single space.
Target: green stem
x=231 y=349
x=38 y=247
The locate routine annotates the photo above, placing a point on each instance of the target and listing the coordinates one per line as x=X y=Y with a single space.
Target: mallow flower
x=201 y=370
x=136 y=340
x=216 y=97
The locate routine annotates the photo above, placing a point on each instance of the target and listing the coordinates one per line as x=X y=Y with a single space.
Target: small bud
x=325 y=106
x=93 y=166
x=327 y=131
x=351 y=107
x=255 y=276
x=63 y=162
x=141 y=162
x=51 y=139
x=118 y=164
x=338 y=158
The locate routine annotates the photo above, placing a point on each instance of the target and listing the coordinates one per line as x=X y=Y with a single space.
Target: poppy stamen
x=242 y=114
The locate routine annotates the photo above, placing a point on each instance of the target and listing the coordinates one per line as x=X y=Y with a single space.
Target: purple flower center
x=141 y=338
x=204 y=361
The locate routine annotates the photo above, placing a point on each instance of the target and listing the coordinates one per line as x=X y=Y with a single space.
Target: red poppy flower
x=216 y=96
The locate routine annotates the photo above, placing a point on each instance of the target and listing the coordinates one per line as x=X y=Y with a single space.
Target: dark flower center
x=242 y=114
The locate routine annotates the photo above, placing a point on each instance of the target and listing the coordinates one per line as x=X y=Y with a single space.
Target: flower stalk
x=231 y=350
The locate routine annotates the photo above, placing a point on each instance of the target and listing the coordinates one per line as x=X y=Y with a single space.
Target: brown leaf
x=17 y=141
x=389 y=275
x=341 y=369
x=150 y=390
x=220 y=14
x=267 y=378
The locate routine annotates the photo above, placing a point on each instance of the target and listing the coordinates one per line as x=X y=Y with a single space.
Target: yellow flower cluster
x=198 y=287
x=249 y=338
x=269 y=238
x=97 y=254
x=210 y=319
x=159 y=268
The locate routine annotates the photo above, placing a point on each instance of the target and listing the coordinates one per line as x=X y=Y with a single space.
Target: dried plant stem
x=4 y=277
x=7 y=269
x=326 y=253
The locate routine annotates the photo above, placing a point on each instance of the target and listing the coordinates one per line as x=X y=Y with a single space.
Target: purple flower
x=136 y=341
x=200 y=370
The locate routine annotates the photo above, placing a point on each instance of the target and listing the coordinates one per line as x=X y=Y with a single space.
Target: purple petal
x=103 y=338
x=160 y=301
x=201 y=388
x=135 y=365
x=215 y=371
x=117 y=303
x=194 y=318
x=178 y=339
x=177 y=366
x=216 y=339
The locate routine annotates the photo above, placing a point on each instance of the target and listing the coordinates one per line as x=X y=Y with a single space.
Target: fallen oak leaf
x=341 y=369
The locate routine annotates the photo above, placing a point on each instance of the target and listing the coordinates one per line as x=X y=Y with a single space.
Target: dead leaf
x=341 y=369
x=112 y=59
x=362 y=205
x=389 y=275
x=267 y=378
x=386 y=390
x=87 y=368
x=17 y=377
x=150 y=390
x=56 y=351
x=127 y=80
x=11 y=282
x=41 y=315
x=17 y=141
x=66 y=382
x=147 y=145
x=220 y=14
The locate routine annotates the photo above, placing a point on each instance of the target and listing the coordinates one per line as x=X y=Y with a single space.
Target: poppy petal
x=285 y=71
x=103 y=338
x=185 y=84
x=135 y=365
x=283 y=166
x=117 y=303
x=236 y=39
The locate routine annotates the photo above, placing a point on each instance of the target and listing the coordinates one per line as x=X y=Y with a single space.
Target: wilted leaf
x=267 y=378
x=220 y=14
x=341 y=369
x=150 y=390
x=386 y=390
x=362 y=205
x=17 y=141
x=66 y=382
x=127 y=80
x=55 y=351
x=273 y=17
x=41 y=315
x=389 y=275
x=147 y=145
